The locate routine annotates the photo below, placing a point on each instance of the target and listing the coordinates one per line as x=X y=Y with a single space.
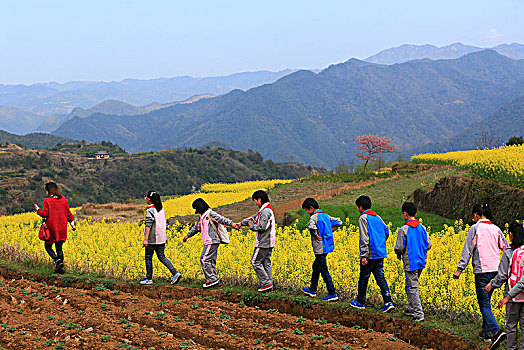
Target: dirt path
x=36 y=316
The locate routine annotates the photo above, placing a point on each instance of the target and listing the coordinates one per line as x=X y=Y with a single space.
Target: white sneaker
x=210 y=284
x=146 y=281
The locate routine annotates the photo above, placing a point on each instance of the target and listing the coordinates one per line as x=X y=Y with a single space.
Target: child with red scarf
x=412 y=247
x=263 y=223
x=373 y=235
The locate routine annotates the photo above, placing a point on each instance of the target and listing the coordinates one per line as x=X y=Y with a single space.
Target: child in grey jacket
x=514 y=303
x=208 y=224
x=155 y=238
x=263 y=223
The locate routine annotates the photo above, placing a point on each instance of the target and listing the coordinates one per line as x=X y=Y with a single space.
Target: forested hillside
x=33 y=140
x=24 y=173
x=492 y=131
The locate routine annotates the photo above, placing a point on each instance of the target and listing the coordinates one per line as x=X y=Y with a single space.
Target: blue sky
x=108 y=40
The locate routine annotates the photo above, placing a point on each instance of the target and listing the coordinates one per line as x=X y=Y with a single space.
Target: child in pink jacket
x=483 y=242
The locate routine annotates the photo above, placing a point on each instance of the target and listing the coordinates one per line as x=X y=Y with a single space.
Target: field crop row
x=504 y=164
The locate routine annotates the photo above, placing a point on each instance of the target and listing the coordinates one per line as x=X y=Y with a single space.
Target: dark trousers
x=59 y=252
x=159 y=249
x=320 y=268
x=489 y=323
x=375 y=266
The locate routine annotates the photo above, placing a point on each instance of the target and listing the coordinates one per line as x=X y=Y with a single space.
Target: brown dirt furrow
x=36 y=315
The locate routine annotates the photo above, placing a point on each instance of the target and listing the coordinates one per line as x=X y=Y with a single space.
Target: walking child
x=57 y=214
x=209 y=225
x=411 y=247
x=155 y=238
x=373 y=235
x=263 y=223
x=321 y=227
x=511 y=271
x=483 y=242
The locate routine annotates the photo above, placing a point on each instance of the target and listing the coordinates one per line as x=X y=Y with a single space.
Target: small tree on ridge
x=372 y=146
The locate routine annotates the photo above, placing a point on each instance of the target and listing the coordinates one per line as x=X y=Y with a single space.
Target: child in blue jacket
x=321 y=227
x=412 y=247
x=373 y=235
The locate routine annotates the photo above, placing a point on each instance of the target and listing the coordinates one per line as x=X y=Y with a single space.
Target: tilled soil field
x=37 y=315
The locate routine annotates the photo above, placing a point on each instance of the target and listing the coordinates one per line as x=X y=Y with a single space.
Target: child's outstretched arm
x=263 y=220
x=502 y=273
x=194 y=230
x=467 y=251
x=220 y=219
x=516 y=290
x=247 y=221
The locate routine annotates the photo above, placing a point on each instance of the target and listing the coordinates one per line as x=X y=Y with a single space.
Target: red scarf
x=413 y=223
x=255 y=220
x=369 y=212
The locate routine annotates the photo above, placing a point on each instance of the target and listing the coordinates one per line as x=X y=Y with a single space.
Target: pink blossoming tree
x=372 y=146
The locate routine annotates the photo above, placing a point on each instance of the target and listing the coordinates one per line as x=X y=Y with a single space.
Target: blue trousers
x=489 y=324
x=375 y=267
x=320 y=268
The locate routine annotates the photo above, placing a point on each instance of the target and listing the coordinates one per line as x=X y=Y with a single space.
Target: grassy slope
x=387 y=198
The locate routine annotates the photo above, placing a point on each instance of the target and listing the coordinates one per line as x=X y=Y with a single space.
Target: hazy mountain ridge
x=408 y=52
x=18 y=121
x=315 y=117
x=110 y=106
x=57 y=98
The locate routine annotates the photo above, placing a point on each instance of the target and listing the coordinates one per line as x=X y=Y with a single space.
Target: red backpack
x=516 y=271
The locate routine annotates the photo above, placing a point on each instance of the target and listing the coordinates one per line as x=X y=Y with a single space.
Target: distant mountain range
x=55 y=98
x=313 y=118
x=18 y=121
x=113 y=107
x=409 y=52
x=43 y=107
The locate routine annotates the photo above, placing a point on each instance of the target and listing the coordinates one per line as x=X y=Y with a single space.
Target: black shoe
x=59 y=266
x=497 y=339
x=484 y=337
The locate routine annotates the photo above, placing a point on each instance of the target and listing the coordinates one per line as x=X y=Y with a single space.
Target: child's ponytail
x=482 y=210
x=155 y=199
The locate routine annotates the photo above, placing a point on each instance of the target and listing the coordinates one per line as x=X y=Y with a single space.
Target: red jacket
x=57 y=212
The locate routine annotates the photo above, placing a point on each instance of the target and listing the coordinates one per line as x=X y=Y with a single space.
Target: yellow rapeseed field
x=505 y=163
x=116 y=249
x=217 y=195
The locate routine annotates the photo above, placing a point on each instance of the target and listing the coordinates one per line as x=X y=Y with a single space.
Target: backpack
x=221 y=231
x=516 y=271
